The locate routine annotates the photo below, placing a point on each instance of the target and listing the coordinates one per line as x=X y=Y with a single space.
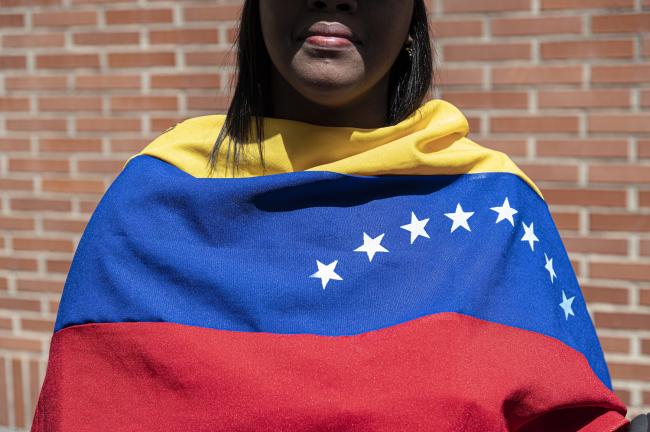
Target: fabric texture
x=399 y=278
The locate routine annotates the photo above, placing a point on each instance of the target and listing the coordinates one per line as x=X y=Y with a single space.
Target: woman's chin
x=330 y=89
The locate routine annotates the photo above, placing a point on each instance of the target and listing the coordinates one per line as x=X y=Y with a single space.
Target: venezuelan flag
x=403 y=278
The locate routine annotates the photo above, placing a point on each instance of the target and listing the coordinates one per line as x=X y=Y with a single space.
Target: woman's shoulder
x=186 y=144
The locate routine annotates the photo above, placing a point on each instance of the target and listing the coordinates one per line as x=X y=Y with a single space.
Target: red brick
x=138 y=16
x=15 y=144
x=644 y=297
x=496 y=100
x=487 y=51
x=73 y=186
x=70 y=104
x=585 y=99
x=536 y=26
x=626 y=123
x=620 y=270
x=105 y=38
x=612 y=344
x=37 y=325
x=604 y=246
x=20 y=185
x=597 y=294
x=645 y=46
x=644 y=148
x=17 y=387
x=39 y=204
x=623 y=395
x=629 y=23
x=645 y=248
x=587 y=49
x=141 y=60
x=12 y=20
x=184 y=36
x=57 y=266
x=101 y=166
x=185 y=81
x=39 y=165
x=557 y=172
x=35 y=82
x=536 y=75
x=566 y=221
x=14 y=104
x=47 y=40
x=457 y=6
x=594 y=148
x=42 y=244
x=64 y=18
x=582 y=4
x=212 y=13
x=629 y=371
x=443 y=28
x=622 y=320
x=76 y=145
x=20 y=304
x=105 y=81
x=532 y=123
x=645 y=98
x=144 y=103
x=619 y=173
x=102 y=124
x=20 y=344
x=210 y=58
x=460 y=77
x=40 y=285
x=76 y=226
x=623 y=74
x=67 y=61
x=16 y=223
x=13 y=62
x=586 y=197
x=620 y=222
x=645 y=349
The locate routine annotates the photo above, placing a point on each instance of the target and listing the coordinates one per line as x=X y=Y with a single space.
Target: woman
x=365 y=268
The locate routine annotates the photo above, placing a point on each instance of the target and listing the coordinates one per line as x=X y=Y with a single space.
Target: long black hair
x=410 y=79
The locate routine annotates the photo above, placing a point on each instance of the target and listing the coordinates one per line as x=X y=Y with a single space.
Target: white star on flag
x=416 y=227
x=566 y=305
x=549 y=267
x=371 y=246
x=326 y=272
x=505 y=212
x=529 y=236
x=460 y=218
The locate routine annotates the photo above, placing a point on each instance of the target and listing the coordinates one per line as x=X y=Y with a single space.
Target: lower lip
x=329 y=41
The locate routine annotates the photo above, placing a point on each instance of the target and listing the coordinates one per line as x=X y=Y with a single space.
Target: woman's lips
x=328 y=41
x=323 y=34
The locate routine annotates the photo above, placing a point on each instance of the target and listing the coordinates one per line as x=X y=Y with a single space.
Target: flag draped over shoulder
x=395 y=279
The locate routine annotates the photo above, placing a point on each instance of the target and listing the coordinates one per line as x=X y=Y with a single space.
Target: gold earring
x=408 y=45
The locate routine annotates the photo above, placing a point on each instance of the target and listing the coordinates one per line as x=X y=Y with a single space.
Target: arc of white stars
x=460 y=218
x=371 y=245
x=326 y=272
x=549 y=267
x=529 y=235
x=566 y=305
x=505 y=212
x=416 y=227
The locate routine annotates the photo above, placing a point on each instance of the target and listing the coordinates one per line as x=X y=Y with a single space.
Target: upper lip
x=334 y=29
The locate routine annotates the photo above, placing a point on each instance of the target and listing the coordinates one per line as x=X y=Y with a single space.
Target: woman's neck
x=366 y=111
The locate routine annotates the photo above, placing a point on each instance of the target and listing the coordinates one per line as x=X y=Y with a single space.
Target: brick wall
x=563 y=86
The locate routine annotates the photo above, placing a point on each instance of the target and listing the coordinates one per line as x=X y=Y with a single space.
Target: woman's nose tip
x=333 y=5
